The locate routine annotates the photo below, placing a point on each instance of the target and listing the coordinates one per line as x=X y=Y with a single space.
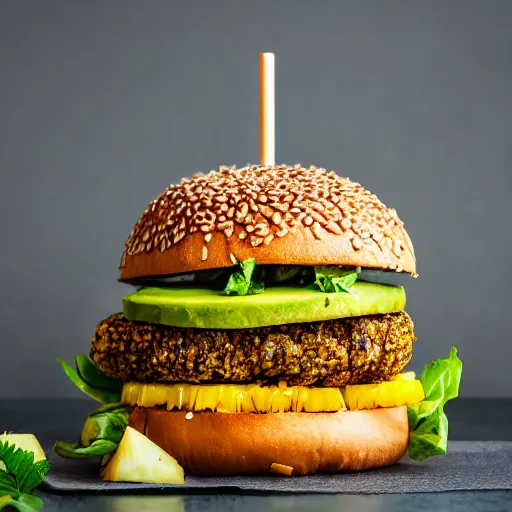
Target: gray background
x=103 y=103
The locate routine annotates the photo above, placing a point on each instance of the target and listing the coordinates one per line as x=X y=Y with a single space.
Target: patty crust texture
x=357 y=350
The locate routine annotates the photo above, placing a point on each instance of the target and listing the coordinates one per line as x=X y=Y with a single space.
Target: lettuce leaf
x=336 y=279
x=24 y=503
x=88 y=379
x=101 y=434
x=246 y=281
x=428 y=424
x=75 y=451
x=89 y=372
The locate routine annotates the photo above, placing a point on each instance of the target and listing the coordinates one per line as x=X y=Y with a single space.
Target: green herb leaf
x=4 y=501
x=336 y=279
x=19 y=477
x=91 y=375
x=28 y=502
x=97 y=393
x=246 y=281
x=25 y=503
x=101 y=434
x=428 y=425
x=75 y=451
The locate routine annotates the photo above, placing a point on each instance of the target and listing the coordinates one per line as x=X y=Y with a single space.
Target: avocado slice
x=203 y=308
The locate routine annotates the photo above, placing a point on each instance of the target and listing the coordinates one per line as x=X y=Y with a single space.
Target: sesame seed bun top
x=278 y=214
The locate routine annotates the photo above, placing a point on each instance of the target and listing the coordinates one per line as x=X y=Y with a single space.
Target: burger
x=266 y=331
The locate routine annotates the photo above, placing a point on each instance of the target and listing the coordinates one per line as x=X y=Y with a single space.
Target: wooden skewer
x=267 y=110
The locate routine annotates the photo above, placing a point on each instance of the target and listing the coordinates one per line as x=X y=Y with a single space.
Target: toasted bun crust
x=214 y=443
x=278 y=215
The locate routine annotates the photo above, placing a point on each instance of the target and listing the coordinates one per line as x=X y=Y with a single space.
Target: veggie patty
x=338 y=352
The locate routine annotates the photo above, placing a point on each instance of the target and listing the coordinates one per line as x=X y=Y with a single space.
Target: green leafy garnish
x=428 y=424
x=90 y=374
x=25 y=503
x=91 y=381
x=75 y=451
x=101 y=434
x=336 y=279
x=247 y=281
x=250 y=279
x=19 y=476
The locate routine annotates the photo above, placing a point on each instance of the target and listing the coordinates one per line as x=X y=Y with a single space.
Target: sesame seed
x=317 y=231
x=261 y=229
x=204 y=255
x=244 y=210
x=266 y=210
x=255 y=241
x=233 y=259
x=333 y=228
x=282 y=207
x=276 y=218
x=397 y=250
x=224 y=225
x=357 y=243
x=282 y=232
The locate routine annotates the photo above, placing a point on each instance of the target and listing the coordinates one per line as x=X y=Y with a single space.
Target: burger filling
x=272 y=340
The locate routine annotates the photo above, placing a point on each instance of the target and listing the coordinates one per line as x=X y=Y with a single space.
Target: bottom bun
x=216 y=443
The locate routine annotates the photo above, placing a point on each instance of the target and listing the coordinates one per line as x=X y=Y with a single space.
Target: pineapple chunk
x=137 y=459
x=385 y=394
x=27 y=442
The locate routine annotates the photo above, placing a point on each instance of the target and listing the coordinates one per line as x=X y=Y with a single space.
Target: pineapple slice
x=27 y=442
x=386 y=394
x=137 y=459
x=404 y=376
x=234 y=398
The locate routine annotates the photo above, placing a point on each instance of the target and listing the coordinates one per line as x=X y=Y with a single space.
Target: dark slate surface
x=481 y=419
x=469 y=465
